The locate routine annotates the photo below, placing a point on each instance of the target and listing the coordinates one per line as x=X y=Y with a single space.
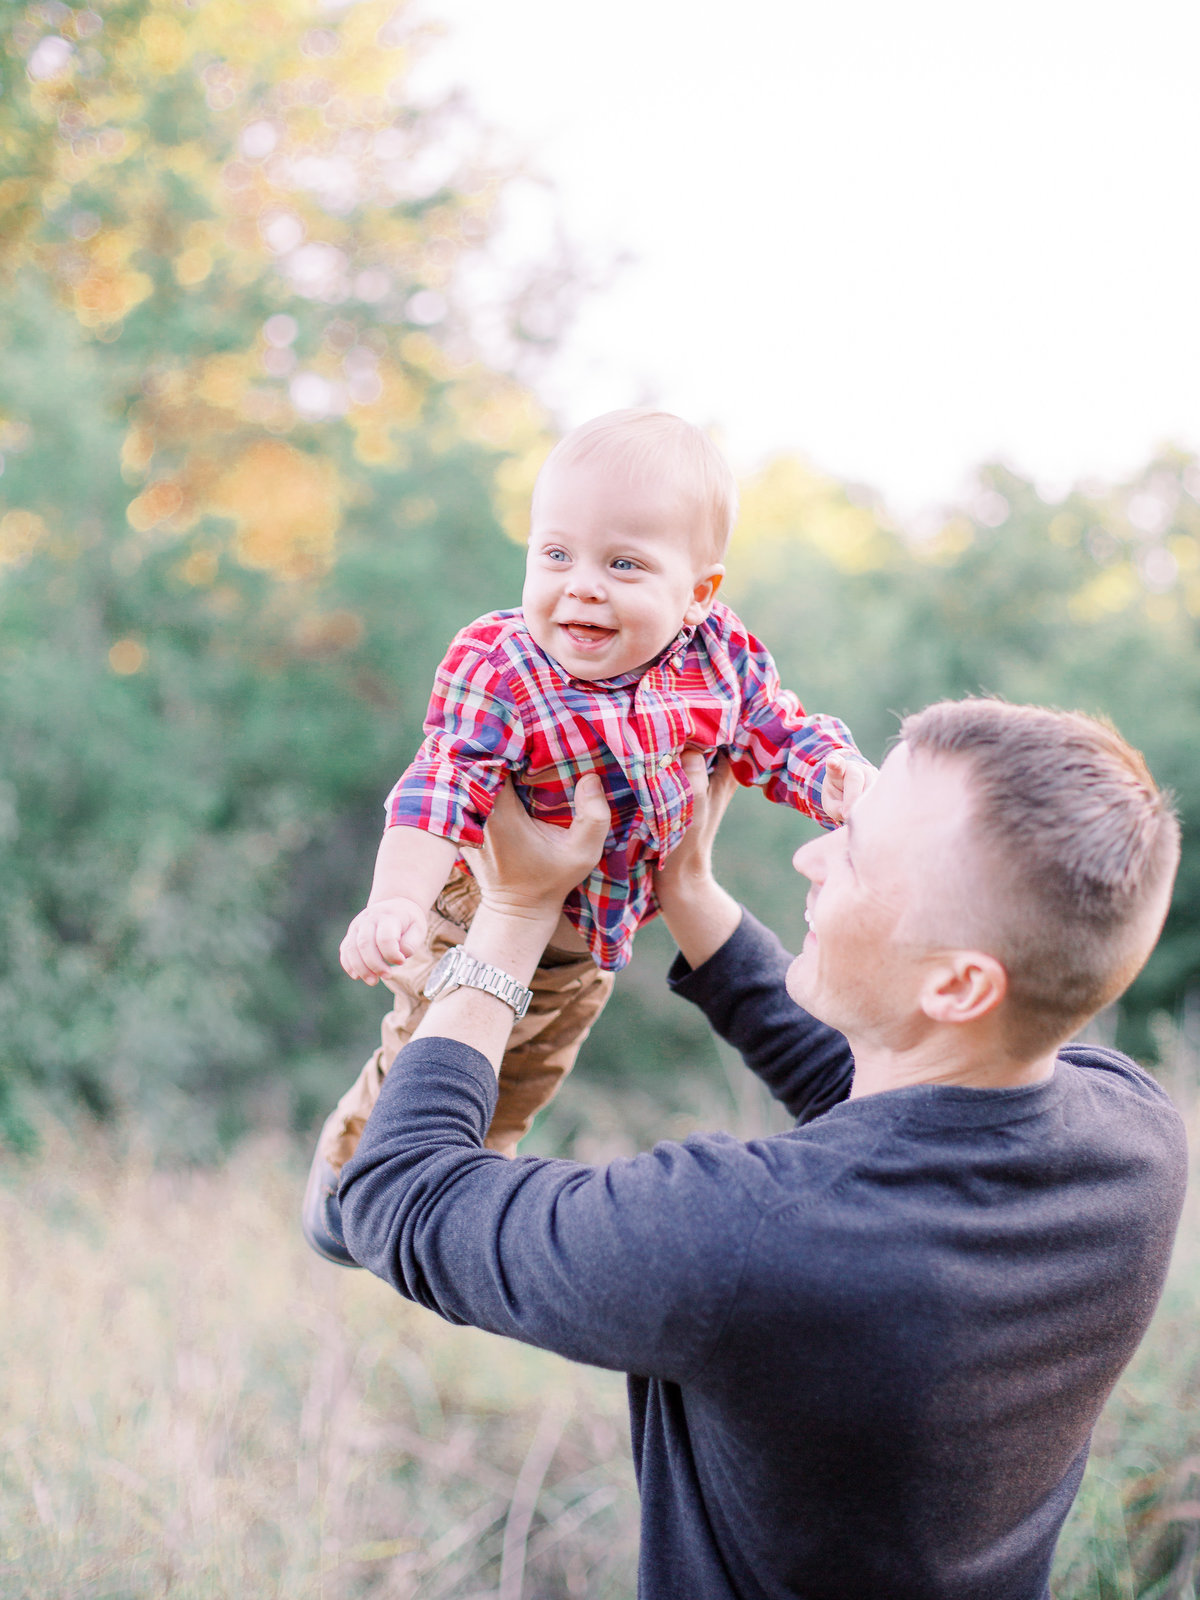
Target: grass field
x=193 y=1406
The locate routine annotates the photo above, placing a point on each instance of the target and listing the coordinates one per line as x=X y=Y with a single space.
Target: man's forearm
x=700 y=915
x=514 y=943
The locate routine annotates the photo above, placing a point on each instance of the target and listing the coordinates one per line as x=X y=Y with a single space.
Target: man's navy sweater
x=866 y=1355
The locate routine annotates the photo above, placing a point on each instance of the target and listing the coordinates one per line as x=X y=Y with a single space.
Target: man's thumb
x=590 y=805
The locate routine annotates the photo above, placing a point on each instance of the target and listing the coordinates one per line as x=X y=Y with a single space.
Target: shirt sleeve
x=778 y=747
x=474 y=735
x=632 y=1266
x=742 y=991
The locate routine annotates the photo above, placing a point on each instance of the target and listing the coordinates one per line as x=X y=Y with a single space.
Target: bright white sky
x=897 y=239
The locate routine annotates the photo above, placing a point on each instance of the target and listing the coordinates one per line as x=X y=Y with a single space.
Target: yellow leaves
x=13 y=192
x=425 y=354
x=137 y=452
x=500 y=416
x=20 y=534
x=951 y=540
x=163 y=41
x=1186 y=551
x=127 y=657
x=1065 y=529
x=110 y=287
x=223 y=380
x=787 y=500
x=399 y=406
x=192 y=267
x=513 y=489
x=107 y=295
x=189 y=160
x=286 y=508
x=160 y=502
x=374 y=445
x=1110 y=591
x=200 y=569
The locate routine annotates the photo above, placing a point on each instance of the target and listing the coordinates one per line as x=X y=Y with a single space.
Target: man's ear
x=962 y=986
x=704 y=592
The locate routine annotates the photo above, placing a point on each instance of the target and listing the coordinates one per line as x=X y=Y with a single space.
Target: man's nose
x=807 y=860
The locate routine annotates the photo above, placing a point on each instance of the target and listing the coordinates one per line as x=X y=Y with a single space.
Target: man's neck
x=957 y=1064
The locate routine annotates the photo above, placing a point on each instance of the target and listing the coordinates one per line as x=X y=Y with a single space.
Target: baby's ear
x=704 y=592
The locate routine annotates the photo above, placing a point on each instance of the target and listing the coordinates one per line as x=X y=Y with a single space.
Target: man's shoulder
x=1126 y=1111
x=1113 y=1073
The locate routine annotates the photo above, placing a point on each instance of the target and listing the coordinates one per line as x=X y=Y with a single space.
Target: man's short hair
x=644 y=443
x=1079 y=850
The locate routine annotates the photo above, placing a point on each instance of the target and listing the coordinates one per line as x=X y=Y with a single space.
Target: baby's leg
x=569 y=993
x=448 y=924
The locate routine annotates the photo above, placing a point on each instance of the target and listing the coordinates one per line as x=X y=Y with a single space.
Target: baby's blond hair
x=643 y=442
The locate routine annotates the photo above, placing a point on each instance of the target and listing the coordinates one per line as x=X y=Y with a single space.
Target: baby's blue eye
x=624 y=564
x=556 y=555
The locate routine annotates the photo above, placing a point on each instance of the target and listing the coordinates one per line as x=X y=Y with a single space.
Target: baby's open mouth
x=588 y=632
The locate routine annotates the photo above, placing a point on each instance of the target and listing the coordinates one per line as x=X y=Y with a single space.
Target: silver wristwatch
x=458 y=970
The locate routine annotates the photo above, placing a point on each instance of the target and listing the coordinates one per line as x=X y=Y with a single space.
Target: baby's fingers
x=350 y=955
x=390 y=941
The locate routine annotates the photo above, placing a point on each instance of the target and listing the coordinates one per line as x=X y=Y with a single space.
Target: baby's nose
x=587 y=583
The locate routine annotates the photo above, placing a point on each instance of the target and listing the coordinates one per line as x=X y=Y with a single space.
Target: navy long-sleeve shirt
x=865 y=1356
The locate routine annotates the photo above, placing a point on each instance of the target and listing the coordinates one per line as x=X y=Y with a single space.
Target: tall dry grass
x=194 y=1406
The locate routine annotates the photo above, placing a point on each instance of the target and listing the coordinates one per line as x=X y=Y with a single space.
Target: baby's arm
x=847 y=779
x=473 y=736
x=799 y=759
x=410 y=869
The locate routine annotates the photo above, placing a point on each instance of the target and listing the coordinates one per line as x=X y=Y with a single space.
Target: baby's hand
x=381 y=938
x=846 y=781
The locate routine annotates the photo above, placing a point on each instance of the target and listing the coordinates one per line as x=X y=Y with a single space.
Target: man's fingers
x=589 y=800
x=695 y=770
x=592 y=817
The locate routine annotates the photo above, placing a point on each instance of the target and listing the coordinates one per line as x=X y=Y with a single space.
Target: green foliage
x=220 y=604
x=1072 y=604
x=254 y=476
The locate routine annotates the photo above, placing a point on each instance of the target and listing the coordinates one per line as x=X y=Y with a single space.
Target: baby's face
x=614 y=569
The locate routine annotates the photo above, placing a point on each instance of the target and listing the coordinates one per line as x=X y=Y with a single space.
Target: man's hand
x=691 y=861
x=699 y=913
x=382 y=937
x=527 y=868
x=846 y=781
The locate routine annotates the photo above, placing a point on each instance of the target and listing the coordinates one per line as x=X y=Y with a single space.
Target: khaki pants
x=569 y=993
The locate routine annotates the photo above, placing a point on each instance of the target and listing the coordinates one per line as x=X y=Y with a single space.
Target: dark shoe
x=321 y=1216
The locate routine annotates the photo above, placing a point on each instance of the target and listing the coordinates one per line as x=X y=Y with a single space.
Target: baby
x=619 y=658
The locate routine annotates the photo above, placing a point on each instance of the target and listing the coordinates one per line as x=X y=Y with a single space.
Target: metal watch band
x=458 y=970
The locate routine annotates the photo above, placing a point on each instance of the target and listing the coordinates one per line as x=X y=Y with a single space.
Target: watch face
x=442 y=973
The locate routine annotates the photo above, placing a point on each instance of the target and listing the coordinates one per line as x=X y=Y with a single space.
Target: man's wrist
x=510 y=935
x=700 y=917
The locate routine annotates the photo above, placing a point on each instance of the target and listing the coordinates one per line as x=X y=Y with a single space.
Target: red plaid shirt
x=501 y=705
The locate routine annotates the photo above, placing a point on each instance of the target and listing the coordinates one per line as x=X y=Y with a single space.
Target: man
x=865 y=1356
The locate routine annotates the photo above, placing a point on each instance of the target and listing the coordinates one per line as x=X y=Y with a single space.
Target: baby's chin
x=575 y=661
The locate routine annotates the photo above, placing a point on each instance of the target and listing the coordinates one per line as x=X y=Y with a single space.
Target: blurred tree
x=249 y=490
x=254 y=472
x=1089 y=603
